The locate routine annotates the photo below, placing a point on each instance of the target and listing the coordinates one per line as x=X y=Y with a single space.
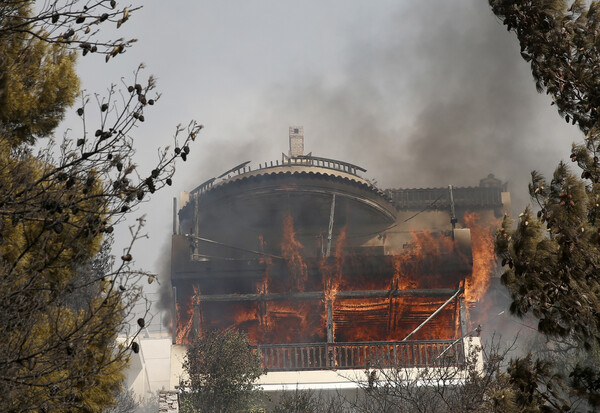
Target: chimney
x=296 y=141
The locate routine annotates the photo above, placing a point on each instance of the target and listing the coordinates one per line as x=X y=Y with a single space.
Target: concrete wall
x=150 y=369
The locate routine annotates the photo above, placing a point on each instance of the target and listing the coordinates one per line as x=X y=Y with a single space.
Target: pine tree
x=552 y=258
x=37 y=60
x=63 y=298
x=38 y=84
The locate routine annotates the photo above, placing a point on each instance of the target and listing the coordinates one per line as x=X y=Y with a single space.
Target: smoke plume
x=439 y=95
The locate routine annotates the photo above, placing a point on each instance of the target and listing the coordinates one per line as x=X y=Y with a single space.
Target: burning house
x=323 y=270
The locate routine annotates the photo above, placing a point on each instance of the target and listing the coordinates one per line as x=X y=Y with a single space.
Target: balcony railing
x=323 y=356
x=304 y=160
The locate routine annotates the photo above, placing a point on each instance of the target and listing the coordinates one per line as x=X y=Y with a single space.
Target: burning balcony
x=325 y=271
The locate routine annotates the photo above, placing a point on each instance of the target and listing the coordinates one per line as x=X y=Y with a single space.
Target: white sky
x=418 y=93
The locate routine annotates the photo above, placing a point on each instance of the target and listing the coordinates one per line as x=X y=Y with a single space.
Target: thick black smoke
x=164 y=303
x=438 y=96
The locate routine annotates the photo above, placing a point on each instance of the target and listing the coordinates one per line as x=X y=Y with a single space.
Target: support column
x=330 y=355
x=329 y=234
x=453 y=219
x=261 y=309
x=329 y=321
x=196 y=313
x=196 y=320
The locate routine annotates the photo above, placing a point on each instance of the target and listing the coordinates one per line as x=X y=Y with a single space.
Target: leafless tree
x=70 y=23
x=63 y=297
x=61 y=307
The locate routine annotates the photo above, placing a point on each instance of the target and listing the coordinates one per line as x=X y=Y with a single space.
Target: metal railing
x=382 y=354
x=304 y=160
x=439 y=198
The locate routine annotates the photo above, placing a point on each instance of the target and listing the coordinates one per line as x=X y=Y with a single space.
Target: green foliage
x=297 y=402
x=560 y=41
x=38 y=83
x=37 y=60
x=585 y=381
x=62 y=304
x=552 y=270
x=501 y=385
x=63 y=300
x=553 y=258
x=535 y=386
x=222 y=370
x=307 y=401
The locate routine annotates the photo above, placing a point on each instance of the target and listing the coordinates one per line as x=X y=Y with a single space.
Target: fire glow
x=382 y=307
x=484 y=258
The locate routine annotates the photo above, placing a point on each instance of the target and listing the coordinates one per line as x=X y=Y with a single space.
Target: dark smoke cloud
x=164 y=303
x=439 y=96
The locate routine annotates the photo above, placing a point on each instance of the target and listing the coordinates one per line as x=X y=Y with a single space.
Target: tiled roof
x=295 y=170
x=439 y=198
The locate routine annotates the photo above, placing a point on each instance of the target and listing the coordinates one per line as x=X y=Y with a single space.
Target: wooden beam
x=315 y=295
x=434 y=313
x=329 y=321
x=196 y=321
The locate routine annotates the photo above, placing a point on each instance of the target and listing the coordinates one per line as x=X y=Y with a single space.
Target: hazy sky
x=418 y=93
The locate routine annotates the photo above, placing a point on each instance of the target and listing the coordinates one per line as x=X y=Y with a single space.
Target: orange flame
x=429 y=260
x=484 y=257
x=332 y=276
x=421 y=264
x=262 y=286
x=402 y=280
x=291 y=251
x=184 y=321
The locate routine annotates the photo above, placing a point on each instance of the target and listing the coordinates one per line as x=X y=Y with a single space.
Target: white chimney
x=296 y=141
